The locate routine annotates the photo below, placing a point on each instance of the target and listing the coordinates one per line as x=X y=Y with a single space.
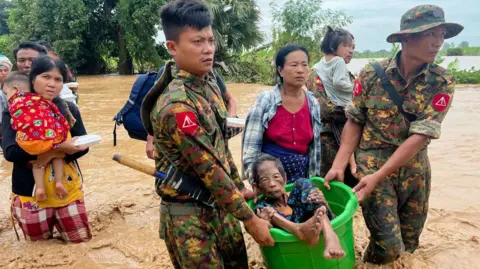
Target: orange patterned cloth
x=39 y=123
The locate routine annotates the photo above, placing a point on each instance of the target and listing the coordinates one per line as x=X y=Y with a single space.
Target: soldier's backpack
x=130 y=115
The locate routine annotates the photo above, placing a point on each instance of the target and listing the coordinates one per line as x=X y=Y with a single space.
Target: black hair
x=46 y=44
x=44 y=64
x=16 y=76
x=180 y=14
x=333 y=38
x=266 y=158
x=30 y=45
x=282 y=55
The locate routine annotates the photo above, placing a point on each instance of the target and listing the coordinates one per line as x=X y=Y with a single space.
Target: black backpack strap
x=392 y=92
x=220 y=83
x=160 y=72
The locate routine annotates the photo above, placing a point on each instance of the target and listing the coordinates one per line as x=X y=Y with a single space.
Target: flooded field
x=123 y=207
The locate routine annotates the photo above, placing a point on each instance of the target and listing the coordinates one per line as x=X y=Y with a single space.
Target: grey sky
x=374 y=20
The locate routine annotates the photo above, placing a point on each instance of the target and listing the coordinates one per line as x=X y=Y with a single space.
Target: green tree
x=304 y=22
x=97 y=46
x=4 y=10
x=471 y=51
x=61 y=22
x=235 y=25
x=379 y=54
x=448 y=45
x=463 y=44
x=7 y=46
x=455 y=52
x=96 y=36
x=137 y=20
x=86 y=33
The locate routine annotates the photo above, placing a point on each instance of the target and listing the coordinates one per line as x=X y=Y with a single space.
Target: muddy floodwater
x=123 y=208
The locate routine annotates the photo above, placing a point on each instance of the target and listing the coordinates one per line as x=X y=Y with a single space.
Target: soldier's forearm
x=234 y=174
x=350 y=137
x=403 y=154
x=224 y=190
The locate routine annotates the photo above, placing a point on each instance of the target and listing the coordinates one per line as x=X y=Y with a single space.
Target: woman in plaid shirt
x=285 y=121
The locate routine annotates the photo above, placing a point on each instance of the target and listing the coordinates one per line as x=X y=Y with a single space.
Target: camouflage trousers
x=396 y=211
x=329 y=151
x=209 y=239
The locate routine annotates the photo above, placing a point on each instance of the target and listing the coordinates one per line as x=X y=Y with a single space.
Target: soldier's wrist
x=379 y=175
x=340 y=163
x=244 y=213
x=250 y=221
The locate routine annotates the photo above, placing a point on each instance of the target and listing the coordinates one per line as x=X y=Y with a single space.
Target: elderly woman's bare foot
x=309 y=231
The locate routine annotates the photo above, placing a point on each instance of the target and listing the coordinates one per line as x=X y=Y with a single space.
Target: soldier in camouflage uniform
x=186 y=115
x=392 y=151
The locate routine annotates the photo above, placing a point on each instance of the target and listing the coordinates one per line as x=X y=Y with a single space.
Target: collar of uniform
x=393 y=67
x=191 y=78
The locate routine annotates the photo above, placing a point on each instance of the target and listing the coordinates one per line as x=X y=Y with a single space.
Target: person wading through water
x=186 y=115
x=398 y=107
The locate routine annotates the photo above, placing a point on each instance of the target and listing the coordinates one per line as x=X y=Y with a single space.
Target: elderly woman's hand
x=316 y=196
x=266 y=213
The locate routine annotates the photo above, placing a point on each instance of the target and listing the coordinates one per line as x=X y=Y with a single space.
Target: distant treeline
x=448 y=49
x=104 y=36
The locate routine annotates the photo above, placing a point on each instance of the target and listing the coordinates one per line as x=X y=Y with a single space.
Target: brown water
x=123 y=208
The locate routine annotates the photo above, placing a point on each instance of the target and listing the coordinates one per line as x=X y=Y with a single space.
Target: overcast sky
x=374 y=20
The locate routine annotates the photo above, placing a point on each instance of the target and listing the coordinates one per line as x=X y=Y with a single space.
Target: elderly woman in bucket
x=304 y=212
x=285 y=121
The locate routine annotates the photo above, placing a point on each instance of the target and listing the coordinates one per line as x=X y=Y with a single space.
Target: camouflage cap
x=422 y=18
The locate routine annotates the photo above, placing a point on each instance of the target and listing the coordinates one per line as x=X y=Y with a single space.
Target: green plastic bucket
x=291 y=253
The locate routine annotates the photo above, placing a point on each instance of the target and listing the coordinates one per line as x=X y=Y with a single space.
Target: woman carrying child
x=68 y=215
x=40 y=127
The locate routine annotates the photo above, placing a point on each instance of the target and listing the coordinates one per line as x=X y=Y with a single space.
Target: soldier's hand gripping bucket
x=291 y=253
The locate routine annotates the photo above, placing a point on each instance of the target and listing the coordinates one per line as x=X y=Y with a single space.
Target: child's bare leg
x=308 y=231
x=333 y=249
x=58 y=167
x=38 y=175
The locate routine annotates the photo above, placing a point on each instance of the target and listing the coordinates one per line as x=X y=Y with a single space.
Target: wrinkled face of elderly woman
x=270 y=181
x=295 y=69
x=4 y=70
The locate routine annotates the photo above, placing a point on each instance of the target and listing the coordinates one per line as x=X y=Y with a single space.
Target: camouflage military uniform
x=397 y=209
x=329 y=113
x=189 y=127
